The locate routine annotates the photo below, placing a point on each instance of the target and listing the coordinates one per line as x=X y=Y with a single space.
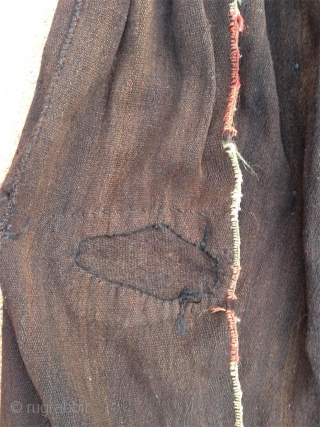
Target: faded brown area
x=18 y=76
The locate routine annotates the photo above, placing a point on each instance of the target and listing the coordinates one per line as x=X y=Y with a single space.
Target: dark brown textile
x=116 y=236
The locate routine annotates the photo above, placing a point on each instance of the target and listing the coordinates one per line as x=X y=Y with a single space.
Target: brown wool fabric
x=115 y=220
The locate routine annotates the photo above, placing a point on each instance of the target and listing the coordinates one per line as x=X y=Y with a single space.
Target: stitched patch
x=154 y=260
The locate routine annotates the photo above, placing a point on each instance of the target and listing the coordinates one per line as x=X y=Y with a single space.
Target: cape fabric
x=116 y=230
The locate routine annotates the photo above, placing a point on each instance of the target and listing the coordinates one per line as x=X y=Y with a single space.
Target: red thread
x=236 y=26
x=217 y=309
x=234 y=347
x=233 y=284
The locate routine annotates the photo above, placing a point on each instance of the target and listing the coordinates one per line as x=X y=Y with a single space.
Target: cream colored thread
x=236 y=195
x=232 y=151
x=233 y=6
x=237 y=394
x=247 y=166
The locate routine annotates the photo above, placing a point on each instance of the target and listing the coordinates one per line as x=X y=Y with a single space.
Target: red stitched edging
x=236 y=26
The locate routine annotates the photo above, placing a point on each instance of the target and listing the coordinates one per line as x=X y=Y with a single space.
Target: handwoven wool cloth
x=117 y=241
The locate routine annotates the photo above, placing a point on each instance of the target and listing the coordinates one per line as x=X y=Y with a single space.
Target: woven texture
x=116 y=240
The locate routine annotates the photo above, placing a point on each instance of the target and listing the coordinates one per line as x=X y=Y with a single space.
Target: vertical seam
x=236 y=26
x=34 y=139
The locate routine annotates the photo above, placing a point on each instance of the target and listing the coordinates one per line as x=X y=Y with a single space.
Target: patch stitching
x=76 y=215
x=216 y=265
